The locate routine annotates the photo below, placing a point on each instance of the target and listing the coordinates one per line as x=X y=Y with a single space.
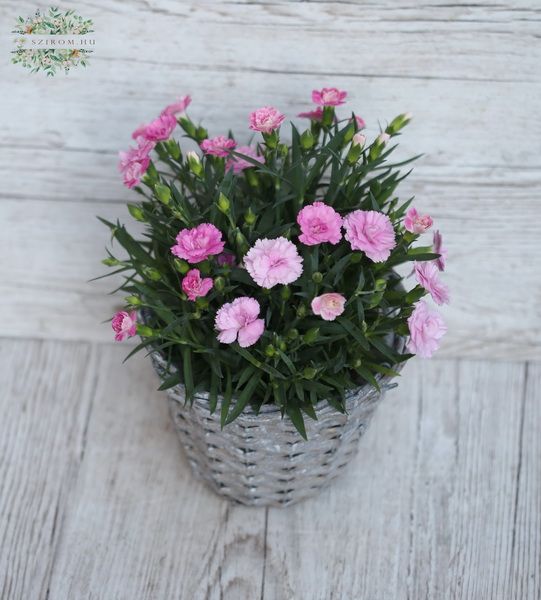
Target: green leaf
x=170 y=382
x=188 y=372
x=295 y=414
x=354 y=331
x=244 y=398
x=257 y=363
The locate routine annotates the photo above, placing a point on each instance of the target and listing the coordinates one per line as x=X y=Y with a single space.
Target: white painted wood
x=45 y=399
x=432 y=509
x=139 y=525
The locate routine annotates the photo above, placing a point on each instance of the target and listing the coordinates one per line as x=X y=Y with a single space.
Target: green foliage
x=301 y=359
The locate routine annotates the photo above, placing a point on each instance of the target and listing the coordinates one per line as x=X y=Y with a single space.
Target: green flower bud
x=152 y=274
x=311 y=335
x=219 y=284
x=349 y=133
x=282 y=345
x=380 y=285
x=196 y=315
x=301 y=311
x=285 y=292
x=110 y=262
x=133 y=301
x=293 y=334
x=201 y=134
x=354 y=153
x=317 y=277
x=194 y=162
x=307 y=139
x=309 y=373
x=357 y=362
x=328 y=116
x=163 y=193
x=398 y=123
x=188 y=126
x=144 y=331
x=173 y=148
x=202 y=303
x=251 y=177
x=270 y=351
x=271 y=139
x=223 y=204
x=241 y=242
x=136 y=212
x=181 y=266
x=378 y=145
x=250 y=217
x=284 y=151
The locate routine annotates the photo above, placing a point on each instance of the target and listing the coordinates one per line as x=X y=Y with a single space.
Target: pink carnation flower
x=197 y=244
x=218 y=146
x=159 y=129
x=195 y=287
x=238 y=320
x=271 y=262
x=124 y=325
x=134 y=163
x=416 y=223
x=360 y=122
x=314 y=115
x=372 y=232
x=427 y=275
x=439 y=249
x=329 y=97
x=426 y=329
x=177 y=107
x=319 y=223
x=266 y=119
x=238 y=164
x=329 y=306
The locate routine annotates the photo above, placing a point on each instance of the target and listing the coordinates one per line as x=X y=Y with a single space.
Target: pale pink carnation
x=358 y=140
x=238 y=320
x=319 y=223
x=218 y=146
x=271 y=262
x=426 y=329
x=124 y=325
x=439 y=249
x=372 y=232
x=416 y=223
x=427 y=275
x=329 y=306
x=360 y=122
x=194 y=286
x=238 y=164
x=197 y=244
x=159 y=129
x=133 y=164
x=177 y=107
x=266 y=119
x=329 y=97
x=314 y=115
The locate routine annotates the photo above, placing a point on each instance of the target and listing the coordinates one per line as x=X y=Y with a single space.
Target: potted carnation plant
x=271 y=289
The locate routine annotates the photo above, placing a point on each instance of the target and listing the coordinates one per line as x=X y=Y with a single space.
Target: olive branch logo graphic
x=41 y=57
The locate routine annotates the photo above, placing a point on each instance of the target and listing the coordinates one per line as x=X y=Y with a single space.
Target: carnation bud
x=309 y=373
x=173 y=148
x=201 y=134
x=250 y=217
x=163 y=193
x=242 y=242
x=136 y=212
x=181 y=266
x=398 y=123
x=223 y=203
x=133 y=301
x=317 y=277
x=283 y=149
x=311 y=335
x=285 y=292
x=271 y=139
x=349 y=133
x=358 y=140
x=251 y=177
x=144 y=330
x=196 y=314
x=194 y=162
x=378 y=145
x=152 y=273
x=381 y=284
x=293 y=334
x=270 y=351
x=307 y=139
x=202 y=303
x=282 y=345
x=357 y=362
x=328 y=116
x=110 y=262
x=301 y=311
x=354 y=153
x=188 y=126
x=219 y=284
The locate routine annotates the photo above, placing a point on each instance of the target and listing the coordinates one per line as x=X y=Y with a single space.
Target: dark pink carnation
x=314 y=115
x=266 y=119
x=194 y=286
x=159 y=129
x=218 y=146
x=134 y=163
x=124 y=325
x=329 y=97
x=197 y=244
x=177 y=107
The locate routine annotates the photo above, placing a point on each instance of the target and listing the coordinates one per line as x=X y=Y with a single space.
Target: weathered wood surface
x=97 y=500
x=469 y=72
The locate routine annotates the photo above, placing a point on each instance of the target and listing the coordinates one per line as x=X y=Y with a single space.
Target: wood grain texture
x=139 y=525
x=469 y=73
x=45 y=400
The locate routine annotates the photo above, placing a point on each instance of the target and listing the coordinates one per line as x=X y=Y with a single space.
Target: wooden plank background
x=469 y=73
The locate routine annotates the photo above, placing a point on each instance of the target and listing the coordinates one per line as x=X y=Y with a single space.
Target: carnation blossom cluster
x=276 y=274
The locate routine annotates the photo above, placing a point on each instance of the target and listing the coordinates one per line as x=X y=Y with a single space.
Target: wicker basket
x=261 y=460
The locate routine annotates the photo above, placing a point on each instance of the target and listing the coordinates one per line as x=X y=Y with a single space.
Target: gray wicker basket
x=261 y=460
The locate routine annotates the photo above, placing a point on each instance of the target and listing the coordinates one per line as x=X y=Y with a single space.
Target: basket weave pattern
x=261 y=460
